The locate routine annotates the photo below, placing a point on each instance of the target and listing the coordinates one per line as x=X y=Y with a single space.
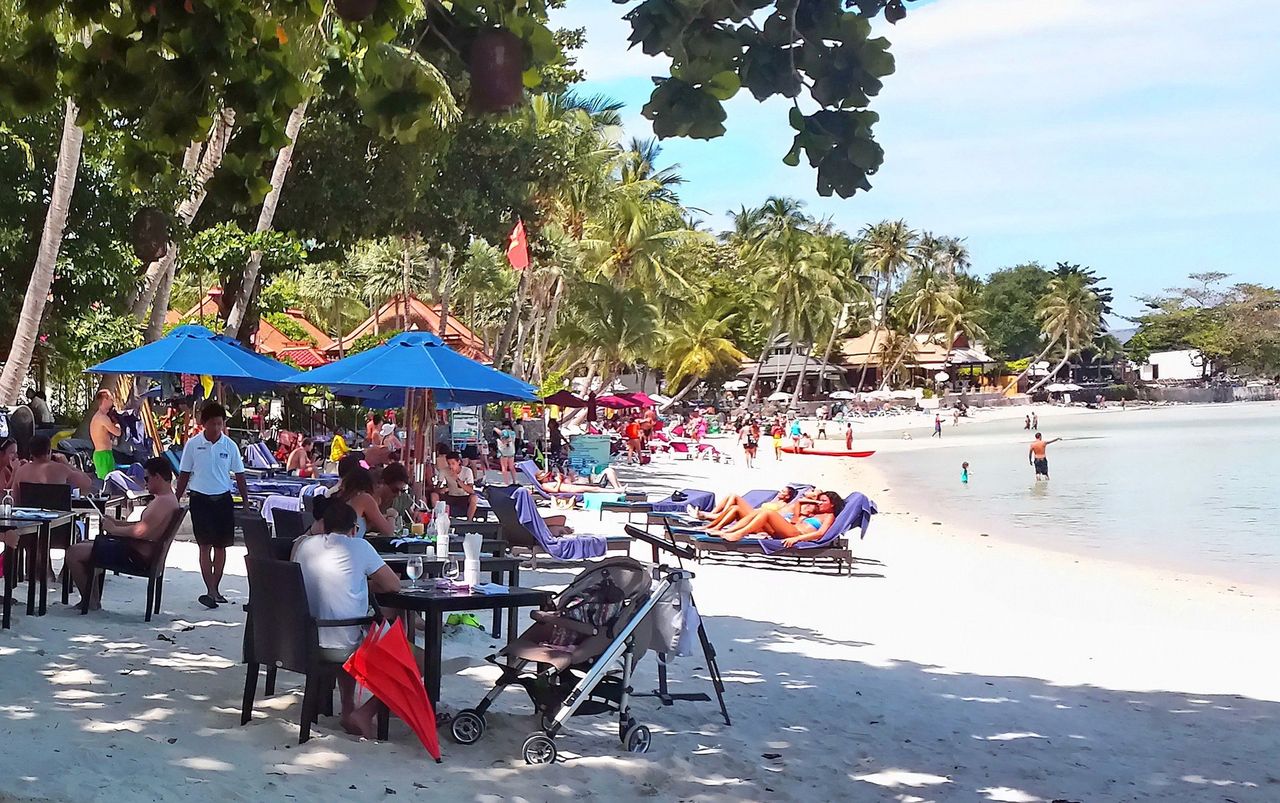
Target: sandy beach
x=950 y=667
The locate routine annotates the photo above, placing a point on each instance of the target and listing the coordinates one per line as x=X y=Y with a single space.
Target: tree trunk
x=591 y=374
x=1032 y=363
x=200 y=167
x=155 y=321
x=509 y=330
x=786 y=372
x=1066 y=355
x=881 y=312
x=764 y=353
x=683 y=392
x=404 y=287
x=831 y=342
x=55 y=222
x=804 y=369
x=235 y=320
x=443 y=293
x=517 y=362
x=553 y=313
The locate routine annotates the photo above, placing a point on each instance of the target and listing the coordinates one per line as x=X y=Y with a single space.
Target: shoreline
x=900 y=498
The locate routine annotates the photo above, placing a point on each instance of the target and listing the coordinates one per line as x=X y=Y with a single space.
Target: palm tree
x=697 y=345
x=888 y=249
x=55 y=222
x=932 y=301
x=393 y=267
x=615 y=326
x=1070 y=312
x=330 y=293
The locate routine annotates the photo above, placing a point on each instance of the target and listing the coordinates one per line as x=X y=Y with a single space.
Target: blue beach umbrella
x=192 y=349
x=411 y=361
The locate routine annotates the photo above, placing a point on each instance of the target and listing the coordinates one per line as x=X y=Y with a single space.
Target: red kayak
x=826 y=452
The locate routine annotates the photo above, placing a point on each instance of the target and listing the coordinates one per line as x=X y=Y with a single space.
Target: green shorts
x=104 y=462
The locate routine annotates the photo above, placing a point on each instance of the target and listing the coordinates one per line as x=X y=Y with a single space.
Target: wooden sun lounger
x=838 y=551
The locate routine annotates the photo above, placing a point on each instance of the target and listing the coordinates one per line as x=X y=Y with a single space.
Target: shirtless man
x=1038 y=457
x=103 y=430
x=129 y=542
x=47 y=469
x=300 y=463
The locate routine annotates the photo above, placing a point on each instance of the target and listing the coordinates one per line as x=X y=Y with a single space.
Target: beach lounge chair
x=530 y=471
x=259 y=459
x=520 y=525
x=834 y=544
x=755 y=498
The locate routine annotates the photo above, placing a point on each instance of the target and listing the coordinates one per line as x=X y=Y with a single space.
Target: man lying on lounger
x=733 y=507
x=814 y=518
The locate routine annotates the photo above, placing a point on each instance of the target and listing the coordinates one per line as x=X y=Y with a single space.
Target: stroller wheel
x=539 y=749
x=638 y=739
x=467 y=726
x=624 y=728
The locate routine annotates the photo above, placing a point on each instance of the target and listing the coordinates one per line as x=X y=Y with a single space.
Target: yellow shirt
x=339 y=448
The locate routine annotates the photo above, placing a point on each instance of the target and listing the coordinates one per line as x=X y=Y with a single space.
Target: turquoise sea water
x=1195 y=489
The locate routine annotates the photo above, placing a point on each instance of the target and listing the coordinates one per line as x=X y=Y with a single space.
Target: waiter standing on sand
x=209 y=459
x=1038 y=457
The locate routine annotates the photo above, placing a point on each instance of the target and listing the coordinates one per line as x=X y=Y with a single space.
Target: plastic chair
x=288 y=523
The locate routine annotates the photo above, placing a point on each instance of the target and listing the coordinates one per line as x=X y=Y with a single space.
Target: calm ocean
x=1195 y=489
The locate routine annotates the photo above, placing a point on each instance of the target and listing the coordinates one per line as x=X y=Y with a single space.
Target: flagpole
x=518 y=257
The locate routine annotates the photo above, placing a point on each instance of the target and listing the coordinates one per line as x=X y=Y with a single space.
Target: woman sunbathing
x=734 y=507
x=814 y=518
x=560 y=484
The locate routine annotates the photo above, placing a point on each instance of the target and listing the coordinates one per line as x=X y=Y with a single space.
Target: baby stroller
x=579 y=658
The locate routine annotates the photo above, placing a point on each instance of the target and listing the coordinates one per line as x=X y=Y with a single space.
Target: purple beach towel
x=565 y=547
x=857 y=512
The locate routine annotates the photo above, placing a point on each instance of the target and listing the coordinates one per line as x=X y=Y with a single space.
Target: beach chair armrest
x=552 y=618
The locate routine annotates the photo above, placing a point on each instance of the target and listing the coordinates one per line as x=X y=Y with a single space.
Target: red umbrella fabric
x=384 y=664
x=640 y=399
x=616 y=402
x=563 y=398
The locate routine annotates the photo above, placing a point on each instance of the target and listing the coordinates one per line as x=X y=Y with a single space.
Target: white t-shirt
x=336 y=569
x=454 y=485
x=211 y=464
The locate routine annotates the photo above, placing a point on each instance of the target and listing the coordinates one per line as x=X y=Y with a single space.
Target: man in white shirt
x=209 y=459
x=339 y=571
x=459 y=484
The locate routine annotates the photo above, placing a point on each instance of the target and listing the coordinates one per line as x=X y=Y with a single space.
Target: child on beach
x=964 y=473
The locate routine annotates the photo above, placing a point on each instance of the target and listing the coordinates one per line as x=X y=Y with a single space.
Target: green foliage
x=95 y=335
x=553 y=382
x=1008 y=305
x=814 y=47
x=222 y=250
x=371 y=340
x=1235 y=327
x=289 y=327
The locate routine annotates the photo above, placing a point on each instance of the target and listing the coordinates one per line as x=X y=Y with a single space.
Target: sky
x=1141 y=138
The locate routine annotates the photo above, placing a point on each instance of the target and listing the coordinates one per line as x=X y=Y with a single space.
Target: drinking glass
x=452 y=570
x=414 y=570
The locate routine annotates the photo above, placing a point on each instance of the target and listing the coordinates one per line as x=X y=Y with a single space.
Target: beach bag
x=676 y=621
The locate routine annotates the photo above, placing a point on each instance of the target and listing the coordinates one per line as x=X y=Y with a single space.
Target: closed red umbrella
x=384 y=664
x=563 y=398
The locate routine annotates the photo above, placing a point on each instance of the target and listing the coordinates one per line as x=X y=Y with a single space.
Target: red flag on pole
x=518 y=247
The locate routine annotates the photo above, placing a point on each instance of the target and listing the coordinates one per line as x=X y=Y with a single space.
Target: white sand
x=949 y=668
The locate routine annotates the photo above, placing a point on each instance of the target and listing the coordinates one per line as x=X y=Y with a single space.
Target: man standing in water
x=1038 y=457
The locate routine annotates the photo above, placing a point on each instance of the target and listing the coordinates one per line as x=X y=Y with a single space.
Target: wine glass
x=452 y=570
x=414 y=570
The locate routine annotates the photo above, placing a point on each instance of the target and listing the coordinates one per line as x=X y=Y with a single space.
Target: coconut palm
x=888 y=249
x=1070 y=313
x=696 y=345
x=55 y=222
x=613 y=326
x=392 y=267
x=331 y=294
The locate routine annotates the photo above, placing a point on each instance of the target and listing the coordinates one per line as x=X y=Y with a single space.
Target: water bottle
x=440 y=517
x=6 y=504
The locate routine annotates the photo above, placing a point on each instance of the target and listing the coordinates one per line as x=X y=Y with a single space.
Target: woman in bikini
x=734 y=508
x=814 y=518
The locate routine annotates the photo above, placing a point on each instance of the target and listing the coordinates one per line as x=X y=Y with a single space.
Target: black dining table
x=32 y=526
x=505 y=569
x=433 y=603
